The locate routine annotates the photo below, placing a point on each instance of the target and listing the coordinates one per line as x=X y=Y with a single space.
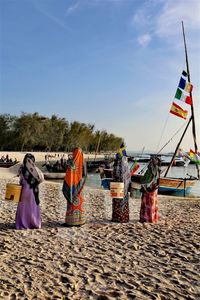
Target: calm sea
x=94 y=180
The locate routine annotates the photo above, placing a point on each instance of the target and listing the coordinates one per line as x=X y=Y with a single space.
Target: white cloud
x=163 y=18
x=144 y=39
x=173 y=12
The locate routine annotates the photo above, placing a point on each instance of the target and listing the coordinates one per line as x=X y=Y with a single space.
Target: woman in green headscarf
x=150 y=183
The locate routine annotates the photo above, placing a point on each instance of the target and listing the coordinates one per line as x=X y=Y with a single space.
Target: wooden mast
x=192 y=107
x=192 y=114
x=97 y=148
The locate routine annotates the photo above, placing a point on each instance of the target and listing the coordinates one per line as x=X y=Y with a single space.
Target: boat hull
x=8 y=164
x=169 y=185
x=54 y=176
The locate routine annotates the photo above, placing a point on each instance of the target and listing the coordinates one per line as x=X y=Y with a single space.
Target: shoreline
x=40 y=156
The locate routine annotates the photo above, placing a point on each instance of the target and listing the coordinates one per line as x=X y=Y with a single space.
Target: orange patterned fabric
x=75 y=214
x=73 y=184
x=74 y=173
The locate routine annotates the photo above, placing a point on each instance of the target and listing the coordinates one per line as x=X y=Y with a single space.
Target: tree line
x=34 y=132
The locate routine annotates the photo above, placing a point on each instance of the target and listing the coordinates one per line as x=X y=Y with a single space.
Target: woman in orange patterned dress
x=149 y=201
x=72 y=187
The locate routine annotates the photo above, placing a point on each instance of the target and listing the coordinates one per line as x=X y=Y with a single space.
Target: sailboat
x=178 y=185
x=168 y=184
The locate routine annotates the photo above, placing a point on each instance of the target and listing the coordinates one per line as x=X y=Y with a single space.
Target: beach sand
x=100 y=260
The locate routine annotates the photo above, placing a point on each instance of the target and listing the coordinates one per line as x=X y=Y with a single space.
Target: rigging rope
x=144 y=168
x=171 y=138
x=162 y=133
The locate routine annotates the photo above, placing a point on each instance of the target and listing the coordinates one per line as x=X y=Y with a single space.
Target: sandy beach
x=101 y=259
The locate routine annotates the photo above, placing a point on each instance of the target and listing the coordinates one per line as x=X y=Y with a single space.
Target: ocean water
x=94 y=179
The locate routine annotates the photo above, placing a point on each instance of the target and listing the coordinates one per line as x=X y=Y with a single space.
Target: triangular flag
x=192 y=153
x=194 y=157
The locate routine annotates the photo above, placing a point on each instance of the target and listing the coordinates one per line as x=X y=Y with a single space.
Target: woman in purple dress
x=28 y=210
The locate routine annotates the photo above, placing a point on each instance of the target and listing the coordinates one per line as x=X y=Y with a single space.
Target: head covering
x=122 y=151
x=73 y=180
x=32 y=174
x=151 y=177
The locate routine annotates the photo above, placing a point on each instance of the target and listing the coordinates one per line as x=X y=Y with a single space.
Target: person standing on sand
x=149 y=189
x=121 y=173
x=73 y=184
x=28 y=210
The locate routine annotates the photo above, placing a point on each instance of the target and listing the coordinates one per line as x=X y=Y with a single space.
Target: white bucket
x=117 y=190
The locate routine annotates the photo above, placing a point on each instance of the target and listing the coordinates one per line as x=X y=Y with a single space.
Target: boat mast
x=177 y=147
x=192 y=114
x=192 y=107
x=97 y=148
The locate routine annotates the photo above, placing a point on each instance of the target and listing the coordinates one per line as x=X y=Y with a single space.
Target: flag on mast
x=178 y=111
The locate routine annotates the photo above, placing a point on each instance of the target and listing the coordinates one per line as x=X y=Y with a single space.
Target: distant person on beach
x=74 y=182
x=122 y=150
x=121 y=173
x=149 y=189
x=28 y=210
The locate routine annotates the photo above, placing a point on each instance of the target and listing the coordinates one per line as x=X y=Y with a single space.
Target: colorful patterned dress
x=120 y=207
x=149 y=201
x=72 y=187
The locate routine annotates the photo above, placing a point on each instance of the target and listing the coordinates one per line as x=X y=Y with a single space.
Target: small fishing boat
x=54 y=176
x=8 y=164
x=170 y=185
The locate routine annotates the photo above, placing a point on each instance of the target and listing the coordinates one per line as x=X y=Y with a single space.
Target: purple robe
x=28 y=212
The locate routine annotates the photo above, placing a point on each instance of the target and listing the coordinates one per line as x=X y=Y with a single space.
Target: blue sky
x=112 y=63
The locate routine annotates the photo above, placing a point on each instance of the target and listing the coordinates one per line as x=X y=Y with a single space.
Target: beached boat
x=54 y=176
x=54 y=168
x=169 y=185
x=8 y=164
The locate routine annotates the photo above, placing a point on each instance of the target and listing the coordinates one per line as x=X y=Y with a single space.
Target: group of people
x=149 y=189
x=28 y=211
x=7 y=159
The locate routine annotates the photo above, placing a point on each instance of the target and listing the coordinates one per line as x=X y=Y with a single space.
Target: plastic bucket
x=13 y=192
x=117 y=189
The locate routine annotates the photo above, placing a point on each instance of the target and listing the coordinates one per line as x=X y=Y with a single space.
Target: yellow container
x=117 y=189
x=13 y=192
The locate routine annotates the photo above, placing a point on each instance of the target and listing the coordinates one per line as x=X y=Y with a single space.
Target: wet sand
x=101 y=259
